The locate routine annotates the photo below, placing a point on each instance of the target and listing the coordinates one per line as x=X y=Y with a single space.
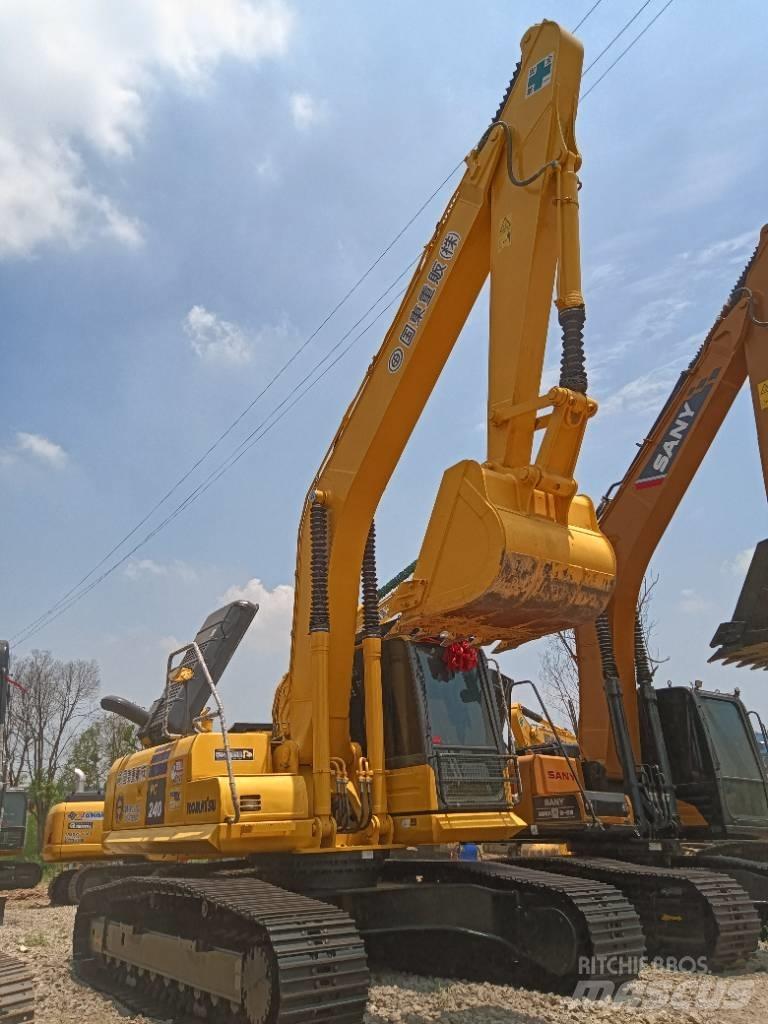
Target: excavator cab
x=13 y=821
x=443 y=736
x=715 y=763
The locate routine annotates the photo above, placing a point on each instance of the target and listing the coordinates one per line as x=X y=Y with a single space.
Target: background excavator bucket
x=744 y=640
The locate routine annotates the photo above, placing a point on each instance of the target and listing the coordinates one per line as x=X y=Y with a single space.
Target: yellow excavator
x=384 y=741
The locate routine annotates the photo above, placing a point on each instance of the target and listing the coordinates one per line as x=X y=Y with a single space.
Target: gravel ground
x=41 y=935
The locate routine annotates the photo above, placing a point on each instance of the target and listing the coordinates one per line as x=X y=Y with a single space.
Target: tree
x=96 y=748
x=85 y=754
x=58 y=698
x=559 y=665
x=118 y=738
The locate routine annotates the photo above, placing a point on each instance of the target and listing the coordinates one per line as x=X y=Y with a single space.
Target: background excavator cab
x=13 y=820
x=715 y=763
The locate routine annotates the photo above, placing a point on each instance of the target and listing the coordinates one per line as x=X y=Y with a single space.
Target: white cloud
x=143 y=568
x=306 y=110
x=644 y=394
x=216 y=340
x=271 y=629
x=35 y=447
x=735 y=250
x=691 y=602
x=75 y=78
x=739 y=564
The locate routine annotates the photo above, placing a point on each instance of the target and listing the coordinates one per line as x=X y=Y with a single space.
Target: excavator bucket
x=500 y=567
x=744 y=640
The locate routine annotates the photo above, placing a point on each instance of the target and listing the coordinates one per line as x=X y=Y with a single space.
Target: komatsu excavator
x=314 y=802
x=684 y=758
x=73 y=836
x=74 y=826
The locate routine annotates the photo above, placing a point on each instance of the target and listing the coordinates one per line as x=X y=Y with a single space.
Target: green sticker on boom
x=540 y=75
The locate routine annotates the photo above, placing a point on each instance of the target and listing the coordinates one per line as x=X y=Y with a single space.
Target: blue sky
x=187 y=189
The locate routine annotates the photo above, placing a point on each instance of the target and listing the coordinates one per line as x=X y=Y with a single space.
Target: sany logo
x=656 y=469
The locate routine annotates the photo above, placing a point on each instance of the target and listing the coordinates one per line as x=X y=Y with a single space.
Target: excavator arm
x=510 y=552
x=635 y=518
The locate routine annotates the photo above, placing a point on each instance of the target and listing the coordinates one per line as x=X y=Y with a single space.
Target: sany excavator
x=686 y=758
x=14 y=874
x=314 y=805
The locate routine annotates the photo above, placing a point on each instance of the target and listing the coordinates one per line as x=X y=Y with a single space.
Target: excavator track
x=17 y=991
x=58 y=888
x=686 y=912
x=565 y=930
x=69 y=886
x=751 y=875
x=19 y=874
x=233 y=949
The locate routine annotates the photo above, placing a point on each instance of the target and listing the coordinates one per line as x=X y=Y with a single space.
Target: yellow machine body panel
x=176 y=800
x=73 y=832
x=411 y=789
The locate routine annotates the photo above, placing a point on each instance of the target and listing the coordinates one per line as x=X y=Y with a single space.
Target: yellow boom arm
x=511 y=552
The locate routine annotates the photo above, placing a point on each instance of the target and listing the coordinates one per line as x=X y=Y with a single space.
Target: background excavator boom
x=637 y=515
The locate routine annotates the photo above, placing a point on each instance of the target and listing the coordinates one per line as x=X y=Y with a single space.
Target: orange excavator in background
x=686 y=758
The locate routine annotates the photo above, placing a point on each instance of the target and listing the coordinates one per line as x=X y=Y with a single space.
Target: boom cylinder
x=319 y=627
x=374 y=702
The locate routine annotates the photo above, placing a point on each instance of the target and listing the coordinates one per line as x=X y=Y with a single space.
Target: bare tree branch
x=558 y=664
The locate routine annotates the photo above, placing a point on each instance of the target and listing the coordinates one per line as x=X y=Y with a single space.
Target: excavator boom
x=511 y=552
x=635 y=518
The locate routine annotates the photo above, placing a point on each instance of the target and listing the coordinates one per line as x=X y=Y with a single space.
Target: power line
x=74 y=595
x=238 y=419
x=253 y=438
x=618 y=35
x=592 y=8
x=628 y=48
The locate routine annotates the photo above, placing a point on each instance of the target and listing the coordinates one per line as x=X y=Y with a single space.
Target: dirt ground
x=40 y=935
